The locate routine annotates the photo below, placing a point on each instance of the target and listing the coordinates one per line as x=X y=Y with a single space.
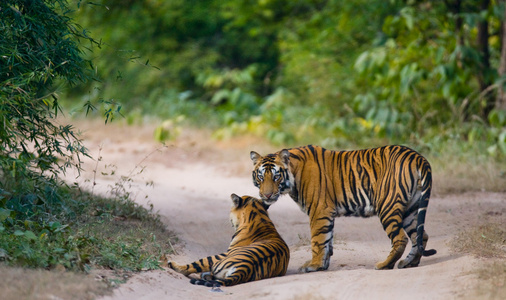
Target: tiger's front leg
x=322 y=229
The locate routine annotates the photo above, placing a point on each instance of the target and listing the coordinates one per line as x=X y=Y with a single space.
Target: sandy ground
x=192 y=183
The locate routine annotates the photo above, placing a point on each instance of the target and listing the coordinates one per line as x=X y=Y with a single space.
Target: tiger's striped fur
x=256 y=251
x=393 y=182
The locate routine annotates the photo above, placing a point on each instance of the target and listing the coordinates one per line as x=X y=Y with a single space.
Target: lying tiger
x=256 y=251
x=393 y=182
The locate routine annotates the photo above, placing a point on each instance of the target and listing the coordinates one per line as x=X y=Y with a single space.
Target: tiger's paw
x=384 y=265
x=411 y=261
x=311 y=267
x=403 y=264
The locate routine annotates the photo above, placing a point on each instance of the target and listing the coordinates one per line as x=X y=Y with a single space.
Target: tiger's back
x=362 y=181
x=256 y=251
x=393 y=182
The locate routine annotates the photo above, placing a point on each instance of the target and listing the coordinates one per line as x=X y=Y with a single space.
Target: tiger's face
x=271 y=175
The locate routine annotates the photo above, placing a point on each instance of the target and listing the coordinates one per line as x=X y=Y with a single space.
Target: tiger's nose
x=268 y=196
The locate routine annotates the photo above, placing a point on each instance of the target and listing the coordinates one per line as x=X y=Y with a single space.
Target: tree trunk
x=484 y=77
x=455 y=8
x=501 y=95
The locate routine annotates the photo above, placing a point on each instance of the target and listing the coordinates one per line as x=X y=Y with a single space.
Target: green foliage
x=424 y=76
x=337 y=73
x=180 y=41
x=169 y=129
x=42 y=223
x=37 y=47
x=78 y=231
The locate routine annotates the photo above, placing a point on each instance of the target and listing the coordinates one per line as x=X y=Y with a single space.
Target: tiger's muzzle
x=269 y=199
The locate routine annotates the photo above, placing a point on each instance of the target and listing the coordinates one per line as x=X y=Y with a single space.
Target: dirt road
x=192 y=187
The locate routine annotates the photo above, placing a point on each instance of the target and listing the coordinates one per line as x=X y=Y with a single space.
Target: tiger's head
x=243 y=208
x=271 y=175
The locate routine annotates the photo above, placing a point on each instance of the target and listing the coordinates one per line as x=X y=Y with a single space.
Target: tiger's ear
x=236 y=200
x=284 y=155
x=255 y=157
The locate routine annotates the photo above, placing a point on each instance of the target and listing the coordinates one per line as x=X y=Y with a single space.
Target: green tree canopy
x=335 y=71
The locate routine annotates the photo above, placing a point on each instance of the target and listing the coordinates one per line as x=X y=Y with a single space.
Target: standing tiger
x=256 y=251
x=393 y=182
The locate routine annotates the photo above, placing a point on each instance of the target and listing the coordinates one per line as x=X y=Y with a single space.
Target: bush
x=78 y=231
x=41 y=221
x=38 y=48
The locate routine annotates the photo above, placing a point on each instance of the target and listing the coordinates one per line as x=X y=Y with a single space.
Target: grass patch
x=91 y=232
x=68 y=229
x=120 y=234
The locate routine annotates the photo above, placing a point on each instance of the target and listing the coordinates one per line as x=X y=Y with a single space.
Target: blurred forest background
x=341 y=74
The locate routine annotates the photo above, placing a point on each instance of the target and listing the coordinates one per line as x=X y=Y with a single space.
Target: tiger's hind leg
x=235 y=269
x=413 y=258
x=392 y=225
x=413 y=224
x=207 y=282
x=409 y=224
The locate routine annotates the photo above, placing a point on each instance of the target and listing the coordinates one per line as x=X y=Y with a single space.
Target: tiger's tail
x=202 y=265
x=426 y=183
